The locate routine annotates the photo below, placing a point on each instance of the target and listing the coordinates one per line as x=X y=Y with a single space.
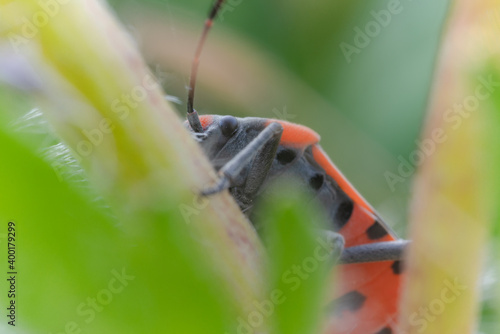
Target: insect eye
x=228 y=125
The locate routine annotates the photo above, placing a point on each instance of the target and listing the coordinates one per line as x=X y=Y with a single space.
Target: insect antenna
x=192 y=115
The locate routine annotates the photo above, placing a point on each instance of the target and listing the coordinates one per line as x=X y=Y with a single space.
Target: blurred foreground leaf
x=190 y=258
x=300 y=258
x=457 y=185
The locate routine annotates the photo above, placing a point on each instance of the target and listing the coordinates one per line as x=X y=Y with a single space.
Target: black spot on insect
x=385 y=330
x=376 y=231
x=397 y=267
x=286 y=156
x=343 y=214
x=351 y=301
x=316 y=181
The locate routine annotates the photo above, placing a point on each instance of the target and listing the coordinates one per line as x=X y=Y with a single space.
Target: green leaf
x=300 y=259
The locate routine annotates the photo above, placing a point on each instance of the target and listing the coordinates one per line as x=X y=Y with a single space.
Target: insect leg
x=379 y=251
x=229 y=172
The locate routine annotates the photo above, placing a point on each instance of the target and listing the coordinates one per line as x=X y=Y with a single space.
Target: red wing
x=367 y=294
x=296 y=135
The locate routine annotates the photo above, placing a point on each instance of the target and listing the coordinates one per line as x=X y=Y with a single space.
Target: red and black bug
x=249 y=153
